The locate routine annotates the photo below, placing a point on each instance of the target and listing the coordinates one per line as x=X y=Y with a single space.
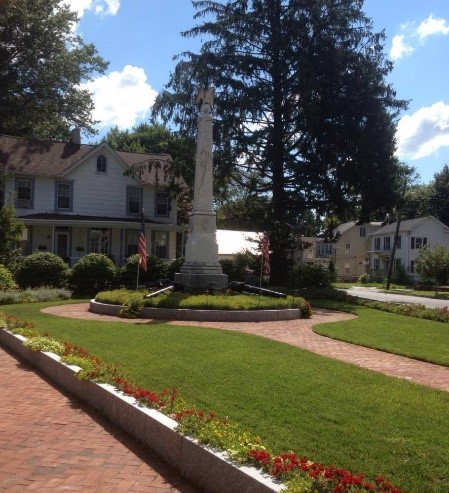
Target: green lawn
x=421 y=339
x=327 y=410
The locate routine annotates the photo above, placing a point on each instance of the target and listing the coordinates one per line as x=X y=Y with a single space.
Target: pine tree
x=304 y=114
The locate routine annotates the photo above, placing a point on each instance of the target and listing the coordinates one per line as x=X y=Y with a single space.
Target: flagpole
x=141 y=249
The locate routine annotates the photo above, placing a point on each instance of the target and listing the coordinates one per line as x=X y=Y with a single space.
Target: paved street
x=378 y=295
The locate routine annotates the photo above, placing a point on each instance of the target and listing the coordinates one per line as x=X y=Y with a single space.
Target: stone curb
x=207 y=469
x=202 y=315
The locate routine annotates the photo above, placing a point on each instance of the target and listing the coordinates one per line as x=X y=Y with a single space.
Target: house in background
x=351 y=249
x=413 y=235
x=74 y=199
x=312 y=250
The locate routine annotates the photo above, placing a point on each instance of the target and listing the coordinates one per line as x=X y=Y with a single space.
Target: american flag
x=142 y=248
x=266 y=254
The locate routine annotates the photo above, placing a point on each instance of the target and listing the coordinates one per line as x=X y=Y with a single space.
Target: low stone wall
x=209 y=470
x=203 y=315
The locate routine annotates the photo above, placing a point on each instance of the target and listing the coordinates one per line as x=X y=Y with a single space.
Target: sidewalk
x=50 y=441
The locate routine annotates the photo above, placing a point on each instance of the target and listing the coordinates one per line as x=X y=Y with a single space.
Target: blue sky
x=140 y=37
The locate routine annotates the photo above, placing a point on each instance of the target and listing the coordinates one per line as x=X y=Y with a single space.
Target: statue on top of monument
x=206 y=97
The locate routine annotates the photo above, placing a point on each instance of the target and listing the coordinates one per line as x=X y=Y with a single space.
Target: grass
x=330 y=411
x=420 y=339
x=229 y=301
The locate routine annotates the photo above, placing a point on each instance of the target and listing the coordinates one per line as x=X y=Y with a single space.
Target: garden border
x=204 y=467
x=185 y=314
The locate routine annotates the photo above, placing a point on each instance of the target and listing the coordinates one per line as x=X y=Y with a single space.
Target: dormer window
x=101 y=164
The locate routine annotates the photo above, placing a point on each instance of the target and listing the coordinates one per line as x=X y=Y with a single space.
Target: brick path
x=50 y=441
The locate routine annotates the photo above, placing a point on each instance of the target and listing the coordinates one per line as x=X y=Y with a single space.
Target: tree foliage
x=156 y=139
x=439 y=199
x=42 y=63
x=431 y=199
x=303 y=111
x=433 y=264
x=10 y=235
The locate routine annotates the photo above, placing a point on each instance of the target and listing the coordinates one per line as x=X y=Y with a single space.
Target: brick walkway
x=50 y=441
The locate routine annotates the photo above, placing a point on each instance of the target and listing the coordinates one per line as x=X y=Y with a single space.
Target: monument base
x=202 y=282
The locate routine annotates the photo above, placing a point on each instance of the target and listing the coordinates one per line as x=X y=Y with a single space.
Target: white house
x=75 y=199
x=413 y=235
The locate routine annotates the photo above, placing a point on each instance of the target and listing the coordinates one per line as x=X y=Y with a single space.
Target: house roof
x=408 y=224
x=78 y=219
x=57 y=158
x=232 y=242
x=347 y=226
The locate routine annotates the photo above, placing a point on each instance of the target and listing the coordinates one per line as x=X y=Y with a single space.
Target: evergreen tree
x=10 y=235
x=42 y=64
x=439 y=198
x=302 y=105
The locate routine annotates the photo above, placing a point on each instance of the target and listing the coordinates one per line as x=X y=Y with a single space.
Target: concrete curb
x=202 y=315
x=207 y=469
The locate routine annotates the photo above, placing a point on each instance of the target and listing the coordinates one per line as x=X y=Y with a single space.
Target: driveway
x=379 y=295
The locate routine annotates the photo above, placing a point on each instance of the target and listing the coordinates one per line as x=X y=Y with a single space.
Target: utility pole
x=393 y=251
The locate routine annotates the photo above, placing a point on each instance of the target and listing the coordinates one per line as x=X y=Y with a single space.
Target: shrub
x=131 y=309
x=6 y=279
x=400 y=276
x=235 y=268
x=92 y=273
x=174 y=267
x=311 y=276
x=42 y=269
x=127 y=275
x=34 y=295
x=364 y=279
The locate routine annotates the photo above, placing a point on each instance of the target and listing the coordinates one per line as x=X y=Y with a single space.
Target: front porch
x=72 y=237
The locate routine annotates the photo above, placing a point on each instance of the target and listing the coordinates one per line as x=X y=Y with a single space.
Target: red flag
x=142 y=248
x=266 y=269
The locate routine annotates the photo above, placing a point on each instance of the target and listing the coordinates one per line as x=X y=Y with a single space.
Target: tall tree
x=439 y=197
x=42 y=63
x=302 y=103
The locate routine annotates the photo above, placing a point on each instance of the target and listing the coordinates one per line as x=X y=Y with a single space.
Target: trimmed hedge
x=92 y=273
x=42 y=269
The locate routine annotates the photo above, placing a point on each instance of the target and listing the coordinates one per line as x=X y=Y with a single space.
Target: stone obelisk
x=201 y=269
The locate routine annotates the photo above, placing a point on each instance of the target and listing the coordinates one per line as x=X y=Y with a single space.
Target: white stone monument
x=201 y=269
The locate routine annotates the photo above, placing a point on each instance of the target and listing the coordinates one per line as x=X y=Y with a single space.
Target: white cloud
x=99 y=7
x=424 y=132
x=399 y=48
x=432 y=26
x=121 y=98
x=412 y=35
